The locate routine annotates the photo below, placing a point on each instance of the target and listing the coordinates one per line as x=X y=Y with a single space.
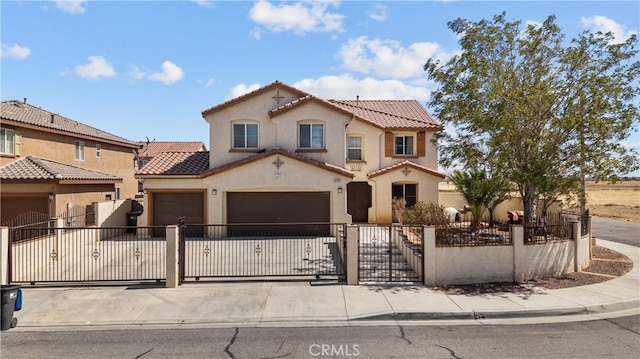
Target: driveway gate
x=390 y=253
x=264 y=250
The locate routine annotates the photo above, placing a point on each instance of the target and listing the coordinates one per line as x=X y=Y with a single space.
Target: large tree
x=542 y=112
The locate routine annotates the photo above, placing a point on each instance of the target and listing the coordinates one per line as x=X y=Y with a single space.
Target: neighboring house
x=150 y=149
x=51 y=164
x=280 y=155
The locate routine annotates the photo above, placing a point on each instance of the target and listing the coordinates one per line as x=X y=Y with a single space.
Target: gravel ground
x=605 y=265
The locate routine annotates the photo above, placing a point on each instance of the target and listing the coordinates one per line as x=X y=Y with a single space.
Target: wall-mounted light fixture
x=52 y=196
x=214 y=191
x=339 y=189
x=145 y=191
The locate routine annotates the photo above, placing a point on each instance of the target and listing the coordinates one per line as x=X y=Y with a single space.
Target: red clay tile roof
x=23 y=113
x=391 y=114
x=33 y=168
x=274 y=85
x=176 y=164
x=279 y=151
x=303 y=100
x=405 y=164
x=152 y=149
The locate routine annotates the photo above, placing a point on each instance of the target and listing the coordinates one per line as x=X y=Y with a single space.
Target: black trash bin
x=132 y=221
x=9 y=297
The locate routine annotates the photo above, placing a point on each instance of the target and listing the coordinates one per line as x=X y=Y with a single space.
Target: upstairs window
x=354 y=148
x=7 y=141
x=80 y=150
x=245 y=135
x=403 y=146
x=311 y=136
x=98 y=150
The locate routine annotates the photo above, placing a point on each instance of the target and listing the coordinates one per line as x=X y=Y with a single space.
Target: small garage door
x=13 y=207
x=281 y=207
x=169 y=206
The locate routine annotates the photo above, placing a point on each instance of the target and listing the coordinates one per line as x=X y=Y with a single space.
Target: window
x=79 y=150
x=354 y=148
x=141 y=163
x=311 y=136
x=7 y=140
x=403 y=146
x=117 y=192
x=245 y=135
x=98 y=150
x=405 y=194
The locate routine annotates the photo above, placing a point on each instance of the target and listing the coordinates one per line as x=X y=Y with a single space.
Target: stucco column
x=172 y=256
x=581 y=252
x=351 y=268
x=519 y=257
x=4 y=255
x=429 y=255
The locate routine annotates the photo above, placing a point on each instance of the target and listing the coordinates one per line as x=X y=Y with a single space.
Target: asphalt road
x=616 y=231
x=614 y=338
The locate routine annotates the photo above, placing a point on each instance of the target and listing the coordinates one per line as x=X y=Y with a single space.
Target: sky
x=147 y=69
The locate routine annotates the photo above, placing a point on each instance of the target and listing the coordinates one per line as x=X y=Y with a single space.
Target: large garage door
x=280 y=207
x=168 y=207
x=13 y=207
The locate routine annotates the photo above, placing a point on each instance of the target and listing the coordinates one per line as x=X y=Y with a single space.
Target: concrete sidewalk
x=316 y=303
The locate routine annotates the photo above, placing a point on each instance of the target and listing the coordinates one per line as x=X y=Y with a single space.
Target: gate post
x=351 y=269
x=5 y=263
x=173 y=266
x=429 y=255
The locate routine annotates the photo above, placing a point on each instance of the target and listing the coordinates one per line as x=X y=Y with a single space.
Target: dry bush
x=424 y=214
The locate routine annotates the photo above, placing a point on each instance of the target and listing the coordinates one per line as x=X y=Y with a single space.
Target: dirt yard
x=619 y=200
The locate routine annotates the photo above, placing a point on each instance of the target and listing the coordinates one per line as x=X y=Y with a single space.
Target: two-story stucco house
x=281 y=155
x=50 y=163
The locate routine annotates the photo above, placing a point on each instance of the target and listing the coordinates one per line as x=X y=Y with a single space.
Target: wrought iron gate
x=390 y=253
x=264 y=250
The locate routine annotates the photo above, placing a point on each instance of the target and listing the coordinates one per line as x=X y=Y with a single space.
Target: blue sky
x=148 y=68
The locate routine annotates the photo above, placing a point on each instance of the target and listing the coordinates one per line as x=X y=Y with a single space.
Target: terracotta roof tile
x=25 y=113
x=176 y=164
x=152 y=149
x=391 y=114
x=405 y=164
x=33 y=168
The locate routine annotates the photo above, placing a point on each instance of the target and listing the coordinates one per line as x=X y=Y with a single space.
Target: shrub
x=424 y=214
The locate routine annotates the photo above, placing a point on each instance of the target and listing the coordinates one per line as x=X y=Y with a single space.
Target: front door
x=358 y=201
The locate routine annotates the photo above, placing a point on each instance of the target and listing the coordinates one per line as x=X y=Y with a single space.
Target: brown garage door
x=13 y=207
x=280 y=207
x=169 y=206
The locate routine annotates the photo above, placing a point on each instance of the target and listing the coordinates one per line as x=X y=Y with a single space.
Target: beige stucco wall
x=114 y=160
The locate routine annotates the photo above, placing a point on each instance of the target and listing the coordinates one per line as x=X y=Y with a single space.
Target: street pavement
x=317 y=303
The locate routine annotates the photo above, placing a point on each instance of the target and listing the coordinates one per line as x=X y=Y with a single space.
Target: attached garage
x=280 y=207
x=169 y=206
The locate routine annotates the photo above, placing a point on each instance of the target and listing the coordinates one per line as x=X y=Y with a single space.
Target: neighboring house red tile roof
x=24 y=114
x=35 y=169
x=279 y=151
x=153 y=149
x=176 y=164
x=405 y=164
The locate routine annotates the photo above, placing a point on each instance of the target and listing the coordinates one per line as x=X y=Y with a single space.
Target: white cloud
x=204 y=3
x=310 y=16
x=71 y=6
x=241 y=89
x=604 y=24
x=347 y=87
x=388 y=57
x=136 y=74
x=379 y=13
x=16 y=51
x=170 y=74
x=97 y=67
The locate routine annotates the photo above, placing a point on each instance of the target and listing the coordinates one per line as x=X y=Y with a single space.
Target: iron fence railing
x=78 y=216
x=464 y=233
x=258 y=250
x=86 y=254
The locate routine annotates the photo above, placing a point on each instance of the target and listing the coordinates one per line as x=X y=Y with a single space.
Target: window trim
x=311 y=125
x=79 y=151
x=233 y=135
